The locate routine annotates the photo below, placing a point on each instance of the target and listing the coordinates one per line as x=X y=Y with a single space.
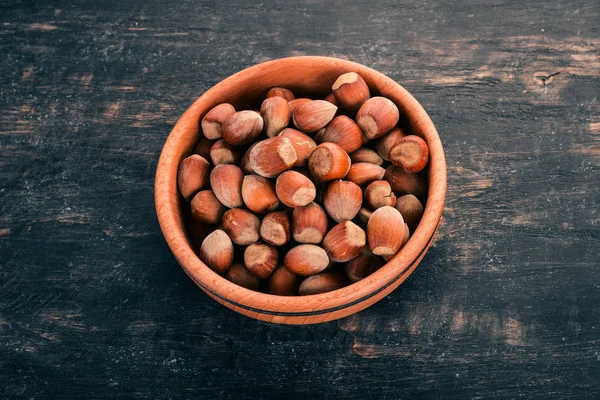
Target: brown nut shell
x=207 y=208
x=309 y=224
x=328 y=162
x=403 y=182
x=410 y=153
x=259 y=194
x=261 y=259
x=213 y=120
x=364 y=173
x=193 y=175
x=344 y=132
x=306 y=260
x=377 y=116
x=295 y=189
x=351 y=91
x=239 y=275
x=222 y=152
x=287 y=94
x=226 y=182
x=313 y=115
x=344 y=242
x=283 y=282
x=216 y=251
x=272 y=156
x=384 y=144
x=303 y=144
x=242 y=127
x=379 y=194
x=275 y=228
x=322 y=283
x=385 y=231
x=276 y=115
x=342 y=200
x=411 y=209
x=366 y=155
x=241 y=225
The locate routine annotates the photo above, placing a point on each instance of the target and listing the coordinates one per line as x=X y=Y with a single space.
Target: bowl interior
x=306 y=77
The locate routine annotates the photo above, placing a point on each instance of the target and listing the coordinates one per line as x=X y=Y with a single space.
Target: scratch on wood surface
x=41 y=27
x=142 y=326
x=138 y=234
x=112 y=110
x=85 y=80
x=68 y=218
x=28 y=72
x=62 y=319
x=52 y=337
x=474 y=180
x=371 y=351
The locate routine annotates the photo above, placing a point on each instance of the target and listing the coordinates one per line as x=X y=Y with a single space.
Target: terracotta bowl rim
x=244 y=300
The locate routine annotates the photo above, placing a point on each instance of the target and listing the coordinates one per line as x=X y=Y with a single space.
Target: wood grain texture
x=505 y=304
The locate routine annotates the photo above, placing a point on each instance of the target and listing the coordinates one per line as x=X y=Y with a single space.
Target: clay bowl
x=310 y=77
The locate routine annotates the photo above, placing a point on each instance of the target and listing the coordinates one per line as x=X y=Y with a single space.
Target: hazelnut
x=351 y=91
x=295 y=189
x=302 y=143
x=207 y=208
x=203 y=147
x=275 y=228
x=296 y=103
x=313 y=115
x=364 y=173
x=280 y=92
x=344 y=241
x=363 y=265
x=283 y=282
x=309 y=224
x=223 y=153
x=272 y=156
x=362 y=218
x=226 y=182
x=241 y=225
x=261 y=259
x=411 y=209
x=403 y=182
x=214 y=119
x=193 y=175
x=410 y=153
x=258 y=193
x=306 y=260
x=242 y=127
x=239 y=275
x=379 y=194
x=328 y=162
x=330 y=98
x=385 y=231
x=366 y=155
x=377 y=116
x=384 y=144
x=216 y=252
x=322 y=283
x=276 y=114
x=342 y=200
x=344 y=132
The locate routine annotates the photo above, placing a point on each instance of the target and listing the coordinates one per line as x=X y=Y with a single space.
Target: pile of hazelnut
x=308 y=209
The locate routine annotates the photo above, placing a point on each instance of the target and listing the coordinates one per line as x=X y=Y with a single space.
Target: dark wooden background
x=92 y=303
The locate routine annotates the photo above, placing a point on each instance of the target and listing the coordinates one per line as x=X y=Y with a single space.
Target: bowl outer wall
x=296 y=73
